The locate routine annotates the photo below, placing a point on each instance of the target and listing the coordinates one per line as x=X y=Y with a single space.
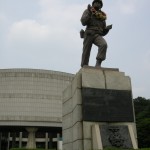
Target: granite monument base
x=98 y=111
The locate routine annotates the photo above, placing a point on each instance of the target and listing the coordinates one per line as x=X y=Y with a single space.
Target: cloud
x=42 y=39
x=127 y=6
x=2 y=17
x=146 y=62
x=140 y=90
x=56 y=20
x=52 y=29
x=27 y=30
x=59 y=14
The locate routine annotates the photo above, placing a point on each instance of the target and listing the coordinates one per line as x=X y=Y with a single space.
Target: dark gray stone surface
x=103 y=105
x=115 y=136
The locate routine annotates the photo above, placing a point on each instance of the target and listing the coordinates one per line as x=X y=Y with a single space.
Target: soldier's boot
x=98 y=63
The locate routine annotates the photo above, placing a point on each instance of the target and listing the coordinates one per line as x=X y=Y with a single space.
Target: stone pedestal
x=31 y=144
x=98 y=111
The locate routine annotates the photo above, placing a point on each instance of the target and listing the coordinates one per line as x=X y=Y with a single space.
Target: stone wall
x=32 y=97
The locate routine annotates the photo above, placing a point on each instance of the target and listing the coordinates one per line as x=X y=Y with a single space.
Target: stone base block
x=96 y=100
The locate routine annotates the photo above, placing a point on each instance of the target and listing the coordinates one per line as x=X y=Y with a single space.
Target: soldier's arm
x=106 y=29
x=85 y=19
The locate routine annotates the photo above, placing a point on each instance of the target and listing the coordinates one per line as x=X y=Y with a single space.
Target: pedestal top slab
x=104 y=78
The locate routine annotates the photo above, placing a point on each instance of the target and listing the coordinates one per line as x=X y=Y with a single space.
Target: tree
x=142 y=114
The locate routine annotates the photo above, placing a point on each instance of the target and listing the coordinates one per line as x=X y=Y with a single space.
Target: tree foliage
x=142 y=114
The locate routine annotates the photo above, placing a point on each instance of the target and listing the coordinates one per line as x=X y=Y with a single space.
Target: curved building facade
x=31 y=98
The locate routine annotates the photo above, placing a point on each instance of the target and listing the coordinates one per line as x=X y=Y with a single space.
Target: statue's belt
x=95 y=29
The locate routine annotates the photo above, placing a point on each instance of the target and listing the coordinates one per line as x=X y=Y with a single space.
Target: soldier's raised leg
x=102 y=49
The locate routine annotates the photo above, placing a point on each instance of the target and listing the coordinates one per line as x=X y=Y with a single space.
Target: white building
x=31 y=100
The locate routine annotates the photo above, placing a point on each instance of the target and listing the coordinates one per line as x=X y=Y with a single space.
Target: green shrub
x=104 y=149
x=125 y=149
x=28 y=149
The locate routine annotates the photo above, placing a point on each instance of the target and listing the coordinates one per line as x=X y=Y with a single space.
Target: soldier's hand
x=91 y=9
x=109 y=27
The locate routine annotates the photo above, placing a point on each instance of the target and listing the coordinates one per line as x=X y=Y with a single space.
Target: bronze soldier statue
x=95 y=21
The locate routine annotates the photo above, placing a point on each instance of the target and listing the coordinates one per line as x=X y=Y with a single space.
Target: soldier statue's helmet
x=100 y=1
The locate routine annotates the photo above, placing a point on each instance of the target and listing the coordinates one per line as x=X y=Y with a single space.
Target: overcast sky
x=44 y=34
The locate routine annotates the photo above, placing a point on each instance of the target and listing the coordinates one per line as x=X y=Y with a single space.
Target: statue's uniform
x=93 y=35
